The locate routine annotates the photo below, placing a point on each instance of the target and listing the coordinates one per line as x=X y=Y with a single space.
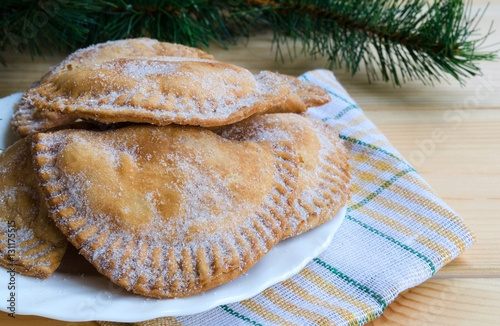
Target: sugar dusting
x=269 y=128
x=17 y=185
x=109 y=50
x=259 y=130
x=215 y=94
x=330 y=148
x=201 y=192
x=19 y=199
x=139 y=69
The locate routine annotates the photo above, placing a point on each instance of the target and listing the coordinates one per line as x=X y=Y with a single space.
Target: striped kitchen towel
x=396 y=235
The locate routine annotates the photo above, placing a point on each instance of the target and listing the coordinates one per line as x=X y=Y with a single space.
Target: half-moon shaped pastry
x=30 y=243
x=322 y=185
x=28 y=119
x=160 y=91
x=164 y=211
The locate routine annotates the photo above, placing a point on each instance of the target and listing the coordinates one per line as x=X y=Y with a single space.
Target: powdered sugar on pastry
x=160 y=91
x=303 y=95
x=322 y=185
x=164 y=211
x=29 y=241
x=128 y=48
x=29 y=119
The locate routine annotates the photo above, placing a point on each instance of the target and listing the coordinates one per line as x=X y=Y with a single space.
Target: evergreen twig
x=396 y=40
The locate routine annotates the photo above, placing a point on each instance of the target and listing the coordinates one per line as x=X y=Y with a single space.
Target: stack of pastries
x=169 y=171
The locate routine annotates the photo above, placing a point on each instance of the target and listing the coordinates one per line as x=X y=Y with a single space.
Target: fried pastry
x=322 y=185
x=160 y=91
x=30 y=243
x=63 y=96
x=165 y=211
x=28 y=119
x=303 y=95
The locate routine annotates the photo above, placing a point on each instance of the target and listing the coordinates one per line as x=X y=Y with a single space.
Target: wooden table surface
x=464 y=170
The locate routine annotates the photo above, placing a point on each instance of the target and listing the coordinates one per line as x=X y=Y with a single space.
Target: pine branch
x=395 y=40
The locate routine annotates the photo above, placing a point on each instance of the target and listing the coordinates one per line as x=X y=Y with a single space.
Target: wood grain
x=463 y=169
x=38 y=321
x=445 y=302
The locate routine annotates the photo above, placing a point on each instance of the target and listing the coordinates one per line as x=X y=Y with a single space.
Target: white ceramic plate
x=73 y=297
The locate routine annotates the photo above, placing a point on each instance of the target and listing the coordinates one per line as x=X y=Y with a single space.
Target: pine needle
x=395 y=40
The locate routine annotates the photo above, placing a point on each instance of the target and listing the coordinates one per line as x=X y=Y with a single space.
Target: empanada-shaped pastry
x=165 y=211
x=30 y=243
x=322 y=185
x=28 y=119
x=160 y=91
x=303 y=95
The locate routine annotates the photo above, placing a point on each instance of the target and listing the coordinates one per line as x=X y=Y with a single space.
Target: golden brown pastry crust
x=303 y=95
x=165 y=211
x=322 y=187
x=160 y=91
x=28 y=119
x=128 y=48
x=27 y=234
x=170 y=211
x=36 y=111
